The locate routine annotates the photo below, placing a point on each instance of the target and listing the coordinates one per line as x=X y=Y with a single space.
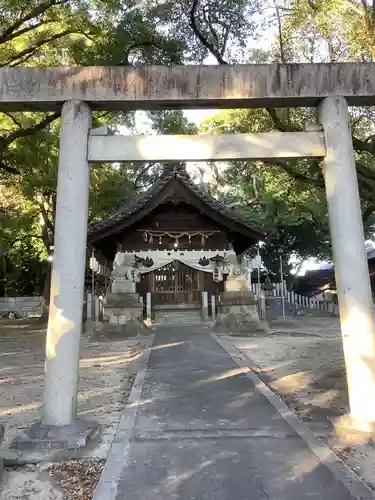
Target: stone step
x=177 y=318
x=179 y=312
x=186 y=317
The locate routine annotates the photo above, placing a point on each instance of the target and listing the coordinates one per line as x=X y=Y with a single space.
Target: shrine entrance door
x=175 y=284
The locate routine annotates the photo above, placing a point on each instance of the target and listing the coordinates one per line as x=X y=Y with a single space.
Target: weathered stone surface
x=153 y=87
x=125 y=313
x=68 y=270
x=68 y=437
x=236 y=284
x=123 y=286
x=130 y=329
x=237 y=297
x=123 y=317
x=217 y=147
x=120 y=300
x=239 y=314
x=245 y=322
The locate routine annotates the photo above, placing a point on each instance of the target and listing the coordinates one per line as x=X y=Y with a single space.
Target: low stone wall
x=23 y=306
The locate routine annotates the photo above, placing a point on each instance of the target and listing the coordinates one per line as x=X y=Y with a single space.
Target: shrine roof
x=162 y=191
x=315 y=281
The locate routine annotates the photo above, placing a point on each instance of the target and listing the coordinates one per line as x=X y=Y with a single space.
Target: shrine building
x=172 y=243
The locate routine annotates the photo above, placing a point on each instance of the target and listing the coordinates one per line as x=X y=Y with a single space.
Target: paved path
x=203 y=431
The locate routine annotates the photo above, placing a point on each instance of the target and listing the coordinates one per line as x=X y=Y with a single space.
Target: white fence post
x=96 y=308
x=89 y=306
x=213 y=307
x=148 y=307
x=142 y=306
x=205 y=305
x=262 y=305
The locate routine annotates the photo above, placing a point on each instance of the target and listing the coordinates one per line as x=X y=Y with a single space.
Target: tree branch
x=9 y=169
x=211 y=28
x=279 y=124
x=47 y=222
x=225 y=40
x=280 y=33
x=368 y=212
x=298 y=176
x=40 y=9
x=23 y=132
x=5 y=141
x=142 y=171
x=152 y=43
x=25 y=30
x=9 y=115
x=206 y=43
x=363 y=172
x=30 y=50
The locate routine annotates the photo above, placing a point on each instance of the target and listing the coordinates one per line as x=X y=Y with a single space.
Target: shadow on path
x=203 y=431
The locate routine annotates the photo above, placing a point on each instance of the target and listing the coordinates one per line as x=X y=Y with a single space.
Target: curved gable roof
x=175 y=183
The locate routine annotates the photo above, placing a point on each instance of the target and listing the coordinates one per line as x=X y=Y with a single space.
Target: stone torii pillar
x=68 y=269
x=350 y=260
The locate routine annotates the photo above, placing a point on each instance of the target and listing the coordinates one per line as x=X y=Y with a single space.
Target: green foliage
x=289 y=198
x=292 y=212
x=68 y=32
x=110 y=188
x=172 y=122
x=286 y=198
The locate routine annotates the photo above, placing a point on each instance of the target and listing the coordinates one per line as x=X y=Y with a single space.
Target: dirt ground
x=302 y=360
x=107 y=370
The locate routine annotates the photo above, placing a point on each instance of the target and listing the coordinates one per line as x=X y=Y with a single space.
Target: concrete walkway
x=203 y=431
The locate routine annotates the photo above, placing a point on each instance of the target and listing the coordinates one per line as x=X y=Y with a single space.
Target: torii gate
x=329 y=87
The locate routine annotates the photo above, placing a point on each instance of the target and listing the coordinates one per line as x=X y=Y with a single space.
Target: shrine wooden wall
x=176 y=218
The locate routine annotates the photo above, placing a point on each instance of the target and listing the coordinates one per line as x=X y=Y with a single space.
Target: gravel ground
x=302 y=360
x=107 y=372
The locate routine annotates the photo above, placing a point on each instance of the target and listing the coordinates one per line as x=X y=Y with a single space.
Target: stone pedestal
x=238 y=314
x=122 y=286
x=123 y=315
x=38 y=437
x=236 y=284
